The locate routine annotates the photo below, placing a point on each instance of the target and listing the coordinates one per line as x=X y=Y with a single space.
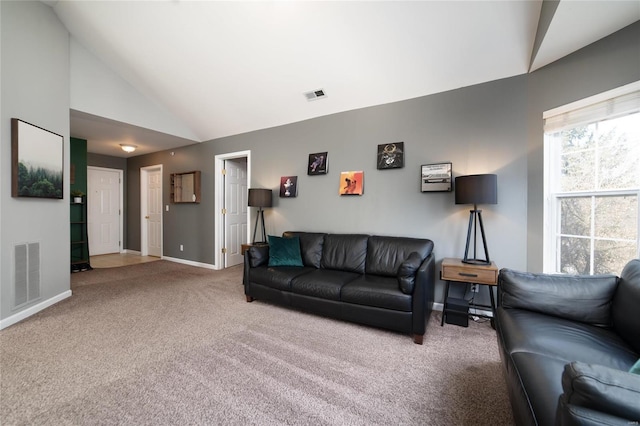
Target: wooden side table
x=456 y=270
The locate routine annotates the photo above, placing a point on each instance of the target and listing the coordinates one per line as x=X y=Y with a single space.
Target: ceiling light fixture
x=128 y=148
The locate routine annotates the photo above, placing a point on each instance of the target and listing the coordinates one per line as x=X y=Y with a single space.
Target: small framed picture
x=391 y=155
x=436 y=177
x=288 y=186
x=318 y=164
x=351 y=183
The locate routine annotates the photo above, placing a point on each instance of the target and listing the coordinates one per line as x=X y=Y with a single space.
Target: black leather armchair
x=567 y=344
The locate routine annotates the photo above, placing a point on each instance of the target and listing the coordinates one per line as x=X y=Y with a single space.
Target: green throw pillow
x=284 y=251
x=636 y=368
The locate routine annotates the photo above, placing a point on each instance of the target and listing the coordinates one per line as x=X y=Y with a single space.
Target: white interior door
x=153 y=215
x=235 y=217
x=103 y=210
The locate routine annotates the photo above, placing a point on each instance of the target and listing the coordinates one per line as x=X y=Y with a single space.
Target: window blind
x=611 y=108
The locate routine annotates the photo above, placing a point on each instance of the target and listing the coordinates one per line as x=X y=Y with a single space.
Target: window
x=592 y=184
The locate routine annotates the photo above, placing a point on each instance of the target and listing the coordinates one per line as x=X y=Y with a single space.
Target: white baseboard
x=438 y=306
x=189 y=262
x=33 y=310
x=129 y=251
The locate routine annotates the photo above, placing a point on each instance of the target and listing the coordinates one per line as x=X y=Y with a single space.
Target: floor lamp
x=476 y=189
x=260 y=198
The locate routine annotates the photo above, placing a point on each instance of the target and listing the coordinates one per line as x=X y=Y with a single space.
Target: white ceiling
x=224 y=68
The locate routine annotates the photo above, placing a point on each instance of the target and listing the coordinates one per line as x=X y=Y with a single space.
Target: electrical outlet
x=181 y=247
x=474 y=288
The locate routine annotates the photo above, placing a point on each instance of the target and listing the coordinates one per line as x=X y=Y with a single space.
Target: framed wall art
x=351 y=183
x=37 y=161
x=318 y=164
x=436 y=177
x=288 y=186
x=391 y=155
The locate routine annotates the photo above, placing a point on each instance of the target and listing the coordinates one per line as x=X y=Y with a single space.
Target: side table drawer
x=470 y=273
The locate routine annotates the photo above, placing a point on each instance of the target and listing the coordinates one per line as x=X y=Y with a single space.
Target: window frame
x=552 y=196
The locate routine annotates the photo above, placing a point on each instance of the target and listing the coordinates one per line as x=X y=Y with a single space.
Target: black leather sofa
x=567 y=344
x=381 y=281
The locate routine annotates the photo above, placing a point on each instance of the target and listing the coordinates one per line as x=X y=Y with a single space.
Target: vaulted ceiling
x=224 y=68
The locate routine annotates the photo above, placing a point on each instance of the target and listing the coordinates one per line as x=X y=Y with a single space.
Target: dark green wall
x=78 y=212
x=78 y=159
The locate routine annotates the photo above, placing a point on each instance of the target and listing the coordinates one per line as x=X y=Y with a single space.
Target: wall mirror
x=185 y=187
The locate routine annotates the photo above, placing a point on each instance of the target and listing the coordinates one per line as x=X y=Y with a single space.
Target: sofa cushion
x=322 y=283
x=526 y=331
x=278 y=278
x=407 y=272
x=386 y=254
x=626 y=319
x=377 y=291
x=579 y=298
x=284 y=251
x=344 y=252
x=310 y=246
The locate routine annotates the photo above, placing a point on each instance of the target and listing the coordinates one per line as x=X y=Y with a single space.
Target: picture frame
x=37 y=161
x=318 y=164
x=288 y=186
x=351 y=183
x=436 y=177
x=390 y=156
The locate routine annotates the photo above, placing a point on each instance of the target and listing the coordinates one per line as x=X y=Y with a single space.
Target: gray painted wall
x=609 y=63
x=35 y=88
x=494 y=127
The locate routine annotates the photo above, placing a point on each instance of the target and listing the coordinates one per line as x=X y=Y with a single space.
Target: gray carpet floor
x=169 y=344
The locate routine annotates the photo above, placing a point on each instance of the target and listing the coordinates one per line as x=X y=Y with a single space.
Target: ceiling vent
x=315 y=95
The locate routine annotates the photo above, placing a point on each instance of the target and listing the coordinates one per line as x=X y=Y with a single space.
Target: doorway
x=104 y=210
x=151 y=211
x=233 y=174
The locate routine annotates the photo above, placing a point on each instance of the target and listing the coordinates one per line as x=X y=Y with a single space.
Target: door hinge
x=224 y=172
x=224 y=211
x=224 y=251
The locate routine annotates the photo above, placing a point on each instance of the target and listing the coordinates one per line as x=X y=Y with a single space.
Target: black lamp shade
x=259 y=197
x=477 y=189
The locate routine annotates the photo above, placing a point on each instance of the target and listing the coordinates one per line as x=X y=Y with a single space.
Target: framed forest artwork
x=37 y=161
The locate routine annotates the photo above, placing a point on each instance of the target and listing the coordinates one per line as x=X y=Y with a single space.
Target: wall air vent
x=315 y=95
x=26 y=273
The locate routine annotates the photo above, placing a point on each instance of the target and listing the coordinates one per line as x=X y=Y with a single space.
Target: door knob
x=146 y=217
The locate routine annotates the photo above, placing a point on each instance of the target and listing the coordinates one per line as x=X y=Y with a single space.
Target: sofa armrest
x=595 y=393
x=581 y=298
x=253 y=257
x=423 y=292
